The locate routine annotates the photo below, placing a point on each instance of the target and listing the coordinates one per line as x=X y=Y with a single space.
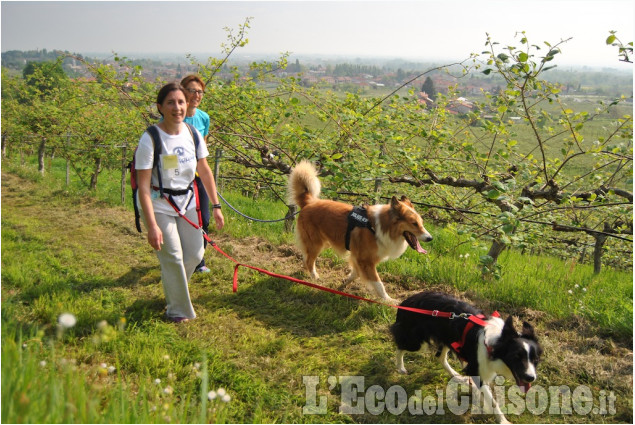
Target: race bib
x=170 y=165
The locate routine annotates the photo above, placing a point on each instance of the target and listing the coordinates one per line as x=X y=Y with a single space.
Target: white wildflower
x=111 y=369
x=570 y=292
x=103 y=366
x=226 y=398
x=211 y=395
x=42 y=363
x=221 y=392
x=168 y=390
x=157 y=381
x=67 y=320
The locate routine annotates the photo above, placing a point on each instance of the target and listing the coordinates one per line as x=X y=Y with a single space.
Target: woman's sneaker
x=203 y=269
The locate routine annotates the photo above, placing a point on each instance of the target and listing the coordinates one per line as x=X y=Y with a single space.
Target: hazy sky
x=417 y=29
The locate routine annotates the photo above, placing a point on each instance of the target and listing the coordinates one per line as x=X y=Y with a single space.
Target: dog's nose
x=527 y=377
x=427 y=237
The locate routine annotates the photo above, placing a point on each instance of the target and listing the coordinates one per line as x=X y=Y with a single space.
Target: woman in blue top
x=194 y=90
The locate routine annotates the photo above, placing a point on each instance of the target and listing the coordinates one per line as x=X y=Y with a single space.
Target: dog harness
x=478 y=319
x=358 y=217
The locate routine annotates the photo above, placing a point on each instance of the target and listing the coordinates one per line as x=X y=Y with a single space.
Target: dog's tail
x=304 y=184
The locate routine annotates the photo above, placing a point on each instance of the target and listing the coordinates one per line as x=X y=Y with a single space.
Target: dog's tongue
x=414 y=243
x=525 y=386
x=419 y=248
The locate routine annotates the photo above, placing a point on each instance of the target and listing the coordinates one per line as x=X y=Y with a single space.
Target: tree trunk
x=40 y=156
x=598 y=249
x=4 y=145
x=93 y=178
x=582 y=255
x=495 y=250
x=289 y=218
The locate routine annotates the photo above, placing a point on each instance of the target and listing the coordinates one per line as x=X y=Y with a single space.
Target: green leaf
x=610 y=39
x=503 y=57
x=523 y=57
x=526 y=200
x=493 y=194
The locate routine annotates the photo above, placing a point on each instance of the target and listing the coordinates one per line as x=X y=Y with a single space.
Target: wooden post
x=217 y=157
x=40 y=155
x=124 y=168
x=68 y=162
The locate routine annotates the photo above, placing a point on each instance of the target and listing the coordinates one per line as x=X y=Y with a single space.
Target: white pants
x=181 y=252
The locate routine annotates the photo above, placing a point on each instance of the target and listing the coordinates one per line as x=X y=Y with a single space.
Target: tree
x=429 y=89
x=44 y=76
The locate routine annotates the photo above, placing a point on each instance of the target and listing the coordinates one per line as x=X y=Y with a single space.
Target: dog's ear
x=394 y=203
x=528 y=332
x=509 y=330
x=406 y=201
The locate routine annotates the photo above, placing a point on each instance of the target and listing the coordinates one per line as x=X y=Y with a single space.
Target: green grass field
x=277 y=350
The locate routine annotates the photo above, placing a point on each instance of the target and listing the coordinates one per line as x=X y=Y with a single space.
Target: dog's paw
x=389 y=300
x=402 y=370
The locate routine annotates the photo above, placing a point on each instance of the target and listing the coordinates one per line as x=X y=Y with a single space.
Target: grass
x=66 y=252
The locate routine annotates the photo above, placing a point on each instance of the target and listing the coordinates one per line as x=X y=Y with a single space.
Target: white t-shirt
x=178 y=166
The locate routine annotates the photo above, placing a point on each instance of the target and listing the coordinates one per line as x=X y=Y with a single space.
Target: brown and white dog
x=323 y=223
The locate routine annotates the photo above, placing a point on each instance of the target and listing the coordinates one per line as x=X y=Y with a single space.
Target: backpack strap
x=197 y=141
x=153 y=131
x=156 y=143
x=198 y=204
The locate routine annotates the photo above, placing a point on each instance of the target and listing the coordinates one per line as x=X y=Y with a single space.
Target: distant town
x=356 y=74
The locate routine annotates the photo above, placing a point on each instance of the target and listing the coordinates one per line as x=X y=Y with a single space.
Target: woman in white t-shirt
x=178 y=244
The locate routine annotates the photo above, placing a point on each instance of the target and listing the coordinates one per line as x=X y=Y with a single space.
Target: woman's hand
x=155 y=237
x=218 y=218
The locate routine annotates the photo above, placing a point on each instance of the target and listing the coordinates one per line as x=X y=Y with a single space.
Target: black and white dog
x=489 y=348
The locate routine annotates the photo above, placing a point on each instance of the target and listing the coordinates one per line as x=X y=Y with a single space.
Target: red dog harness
x=478 y=319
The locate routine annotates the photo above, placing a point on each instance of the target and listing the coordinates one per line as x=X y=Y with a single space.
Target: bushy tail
x=304 y=184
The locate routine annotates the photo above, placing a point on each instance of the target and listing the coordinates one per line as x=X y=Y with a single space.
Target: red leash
x=434 y=313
